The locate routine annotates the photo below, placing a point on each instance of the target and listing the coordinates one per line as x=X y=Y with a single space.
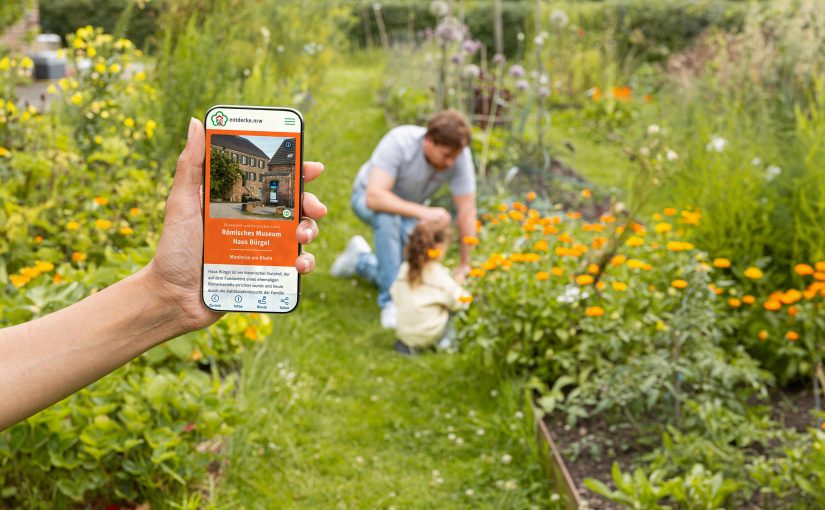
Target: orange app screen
x=251 y=211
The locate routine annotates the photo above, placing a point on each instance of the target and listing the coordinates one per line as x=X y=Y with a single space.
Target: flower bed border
x=553 y=464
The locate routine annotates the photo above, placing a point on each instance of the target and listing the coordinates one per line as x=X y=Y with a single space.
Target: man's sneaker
x=345 y=264
x=389 y=316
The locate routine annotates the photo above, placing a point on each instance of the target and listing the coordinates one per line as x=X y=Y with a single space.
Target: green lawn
x=336 y=419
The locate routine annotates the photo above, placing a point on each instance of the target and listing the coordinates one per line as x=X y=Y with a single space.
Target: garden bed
x=573 y=454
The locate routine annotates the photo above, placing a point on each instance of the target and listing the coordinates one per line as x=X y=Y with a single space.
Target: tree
x=223 y=172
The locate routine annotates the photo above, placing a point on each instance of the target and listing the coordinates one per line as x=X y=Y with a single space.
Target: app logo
x=218 y=119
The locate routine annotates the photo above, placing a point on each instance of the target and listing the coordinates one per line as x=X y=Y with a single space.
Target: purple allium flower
x=472 y=71
x=470 y=46
x=543 y=92
x=517 y=71
x=522 y=85
x=457 y=59
x=439 y=8
x=498 y=59
x=450 y=30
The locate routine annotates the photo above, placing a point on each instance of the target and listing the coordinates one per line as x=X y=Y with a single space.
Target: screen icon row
x=250 y=302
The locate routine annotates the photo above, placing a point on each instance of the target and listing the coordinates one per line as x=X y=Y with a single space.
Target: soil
x=590 y=448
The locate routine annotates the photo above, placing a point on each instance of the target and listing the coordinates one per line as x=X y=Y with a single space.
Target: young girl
x=425 y=293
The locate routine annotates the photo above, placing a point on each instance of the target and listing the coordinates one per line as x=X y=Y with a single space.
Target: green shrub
x=136 y=21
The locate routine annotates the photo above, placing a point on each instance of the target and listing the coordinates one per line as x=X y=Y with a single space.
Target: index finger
x=312 y=169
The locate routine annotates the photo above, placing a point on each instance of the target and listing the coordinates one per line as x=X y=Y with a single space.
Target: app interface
x=251 y=208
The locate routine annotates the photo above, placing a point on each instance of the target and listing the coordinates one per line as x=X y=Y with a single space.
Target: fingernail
x=192 y=122
x=310 y=234
x=305 y=265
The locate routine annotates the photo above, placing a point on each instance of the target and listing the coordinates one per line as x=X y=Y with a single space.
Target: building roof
x=236 y=143
x=285 y=155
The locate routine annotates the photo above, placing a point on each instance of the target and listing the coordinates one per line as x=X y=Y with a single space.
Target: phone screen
x=252 y=206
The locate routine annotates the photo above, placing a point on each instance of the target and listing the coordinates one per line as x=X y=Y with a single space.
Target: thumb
x=190 y=163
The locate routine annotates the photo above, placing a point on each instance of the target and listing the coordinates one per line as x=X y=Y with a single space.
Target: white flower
x=756 y=161
x=539 y=41
x=717 y=144
x=451 y=436
x=494 y=393
x=653 y=129
x=506 y=458
x=472 y=71
x=572 y=293
x=559 y=18
x=519 y=415
x=480 y=432
x=520 y=36
x=671 y=155
x=438 y=8
x=469 y=493
x=644 y=151
x=771 y=172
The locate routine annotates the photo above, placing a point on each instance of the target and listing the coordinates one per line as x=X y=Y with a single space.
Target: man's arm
x=467 y=216
x=380 y=198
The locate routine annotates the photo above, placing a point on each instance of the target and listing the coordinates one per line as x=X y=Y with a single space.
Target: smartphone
x=253 y=185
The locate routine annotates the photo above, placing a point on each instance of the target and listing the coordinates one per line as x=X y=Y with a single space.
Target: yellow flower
x=601 y=285
x=51 y=89
x=748 y=299
x=619 y=286
x=531 y=196
x=734 y=303
x=126 y=231
x=617 y=260
x=466 y=299
x=594 y=311
x=140 y=76
x=43 y=267
x=541 y=245
x=584 y=279
x=557 y=271
x=196 y=355
x=103 y=224
x=531 y=257
x=762 y=335
x=77 y=98
x=516 y=215
x=101 y=200
x=477 y=272
x=72 y=225
x=38 y=239
x=721 y=263
x=634 y=241
x=115 y=68
x=19 y=280
x=593 y=268
x=691 y=217
x=679 y=246
x=791 y=297
x=679 y=284
x=78 y=256
x=754 y=273
x=30 y=272
x=100 y=67
x=663 y=227
x=542 y=275
x=635 y=264
x=586 y=193
x=820 y=266
x=98 y=139
x=129 y=122
x=3 y=152
x=772 y=305
x=433 y=253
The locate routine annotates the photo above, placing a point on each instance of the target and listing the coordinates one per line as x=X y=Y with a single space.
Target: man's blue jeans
x=390 y=232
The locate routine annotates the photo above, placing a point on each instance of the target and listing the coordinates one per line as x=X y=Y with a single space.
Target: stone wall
x=15 y=37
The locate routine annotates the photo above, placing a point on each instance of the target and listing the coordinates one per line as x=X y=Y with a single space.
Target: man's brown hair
x=450 y=128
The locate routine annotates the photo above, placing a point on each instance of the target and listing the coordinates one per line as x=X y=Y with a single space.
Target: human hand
x=174 y=274
x=438 y=217
x=461 y=272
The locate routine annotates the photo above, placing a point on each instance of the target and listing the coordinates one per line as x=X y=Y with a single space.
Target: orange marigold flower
x=550 y=230
x=516 y=215
x=608 y=218
x=594 y=311
x=586 y=193
x=502 y=207
x=19 y=280
x=478 y=226
x=38 y=239
x=518 y=206
x=634 y=241
x=126 y=231
x=734 y=303
x=103 y=224
x=531 y=195
x=470 y=240
x=541 y=245
x=593 y=268
x=101 y=200
x=251 y=333
x=57 y=278
x=197 y=355
x=820 y=266
x=803 y=269
x=574 y=215
x=433 y=253
x=532 y=257
x=78 y=256
x=670 y=211
x=793 y=336
x=691 y=217
x=529 y=227
x=635 y=264
x=618 y=260
x=792 y=311
x=754 y=273
x=762 y=335
x=619 y=286
x=466 y=299
x=790 y=297
x=43 y=267
x=721 y=263
x=748 y=299
x=533 y=215
x=489 y=265
x=638 y=228
x=598 y=242
x=819 y=276
x=772 y=305
x=542 y=275
x=584 y=279
x=557 y=271
x=679 y=246
x=135 y=211
x=679 y=284
x=600 y=285
x=477 y=272
x=565 y=238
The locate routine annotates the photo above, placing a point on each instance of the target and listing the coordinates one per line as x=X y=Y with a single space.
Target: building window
x=252 y=177
x=262 y=163
x=244 y=160
x=234 y=158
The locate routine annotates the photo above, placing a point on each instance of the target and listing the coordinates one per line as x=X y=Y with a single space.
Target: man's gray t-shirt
x=401 y=154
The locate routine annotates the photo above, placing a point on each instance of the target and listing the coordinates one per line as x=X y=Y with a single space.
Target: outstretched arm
x=45 y=360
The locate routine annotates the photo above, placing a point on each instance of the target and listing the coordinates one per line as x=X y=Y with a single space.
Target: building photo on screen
x=252 y=177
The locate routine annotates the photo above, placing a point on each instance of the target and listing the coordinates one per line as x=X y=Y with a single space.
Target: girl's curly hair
x=422 y=240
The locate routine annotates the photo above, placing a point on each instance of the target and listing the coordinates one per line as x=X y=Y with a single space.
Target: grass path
x=334 y=418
